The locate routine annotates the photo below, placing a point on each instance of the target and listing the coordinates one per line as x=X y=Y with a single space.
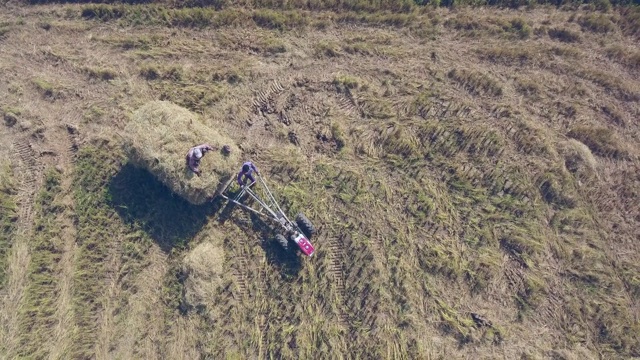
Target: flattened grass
x=602 y=141
x=8 y=218
x=37 y=314
x=96 y=231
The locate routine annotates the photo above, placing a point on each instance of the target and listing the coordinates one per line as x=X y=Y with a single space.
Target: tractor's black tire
x=305 y=225
x=280 y=239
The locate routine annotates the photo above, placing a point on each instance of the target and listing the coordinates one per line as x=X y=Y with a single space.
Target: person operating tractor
x=247 y=173
x=194 y=156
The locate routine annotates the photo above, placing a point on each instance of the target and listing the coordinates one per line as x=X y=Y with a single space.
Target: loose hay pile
x=203 y=267
x=158 y=138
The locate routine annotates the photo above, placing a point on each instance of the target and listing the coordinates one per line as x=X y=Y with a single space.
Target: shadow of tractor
x=287 y=262
x=139 y=198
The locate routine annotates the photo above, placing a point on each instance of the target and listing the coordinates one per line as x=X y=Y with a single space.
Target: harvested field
x=473 y=174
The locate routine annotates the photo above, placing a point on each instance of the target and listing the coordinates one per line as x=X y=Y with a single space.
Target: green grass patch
x=193 y=97
x=423 y=101
x=272 y=46
x=596 y=22
x=196 y=17
x=8 y=218
x=93 y=114
x=630 y=20
x=46 y=88
x=485 y=266
x=376 y=108
x=379 y=19
x=527 y=55
x=327 y=49
x=264 y=17
x=616 y=86
x=630 y=273
x=159 y=15
x=102 y=12
x=528 y=88
x=601 y=5
x=557 y=190
x=173 y=290
x=566 y=51
x=279 y=20
x=624 y=55
x=37 y=313
x=564 y=35
x=150 y=72
x=100 y=73
x=596 y=308
x=453 y=322
x=98 y=228
x=343 y=82
x=572 y=221
x=520 y=245
x=338 y=135
x=195 y=91
x=601 y=141
x=359 y=48
x=133 y=42
x=4 y=30
x=531 y=295
x=510 y=55
x=475 y=82
x=616 y=116
x=517 y=27
x=96 y=231
x=531 y=139
x=466 y=23
x=437 y=140
x=364 y=296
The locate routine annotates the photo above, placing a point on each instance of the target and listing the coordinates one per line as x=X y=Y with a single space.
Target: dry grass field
x=474 y=175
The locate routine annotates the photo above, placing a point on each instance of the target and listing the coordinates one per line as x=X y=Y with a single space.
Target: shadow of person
x=140 y=198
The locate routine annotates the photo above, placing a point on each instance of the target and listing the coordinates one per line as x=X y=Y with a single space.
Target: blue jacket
x=248 y=174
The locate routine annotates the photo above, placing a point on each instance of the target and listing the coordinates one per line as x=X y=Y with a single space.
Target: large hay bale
x=158 y=138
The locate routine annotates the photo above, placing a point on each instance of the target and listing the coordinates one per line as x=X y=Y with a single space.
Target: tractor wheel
x=282 y=241
x=305 y=225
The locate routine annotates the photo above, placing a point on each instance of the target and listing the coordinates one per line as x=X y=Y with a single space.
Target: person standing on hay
x=247 y=170
x=194 y=156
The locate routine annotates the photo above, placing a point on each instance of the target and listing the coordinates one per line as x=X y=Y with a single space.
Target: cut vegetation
x=473 y=174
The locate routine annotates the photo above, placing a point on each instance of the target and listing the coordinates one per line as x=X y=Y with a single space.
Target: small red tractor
x=299 y=231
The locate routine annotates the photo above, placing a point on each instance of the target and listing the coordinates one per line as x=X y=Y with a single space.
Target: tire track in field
x=263 y=320
x=252 y=294
x=251 y=126
x=239 y=275
x=139 y=334
x=438 y=109
x=336 y=271
x=64 y=314
x=348 y=104
x=264 y=99
x=242 y=291
x=29 y=171
x=111 y=295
